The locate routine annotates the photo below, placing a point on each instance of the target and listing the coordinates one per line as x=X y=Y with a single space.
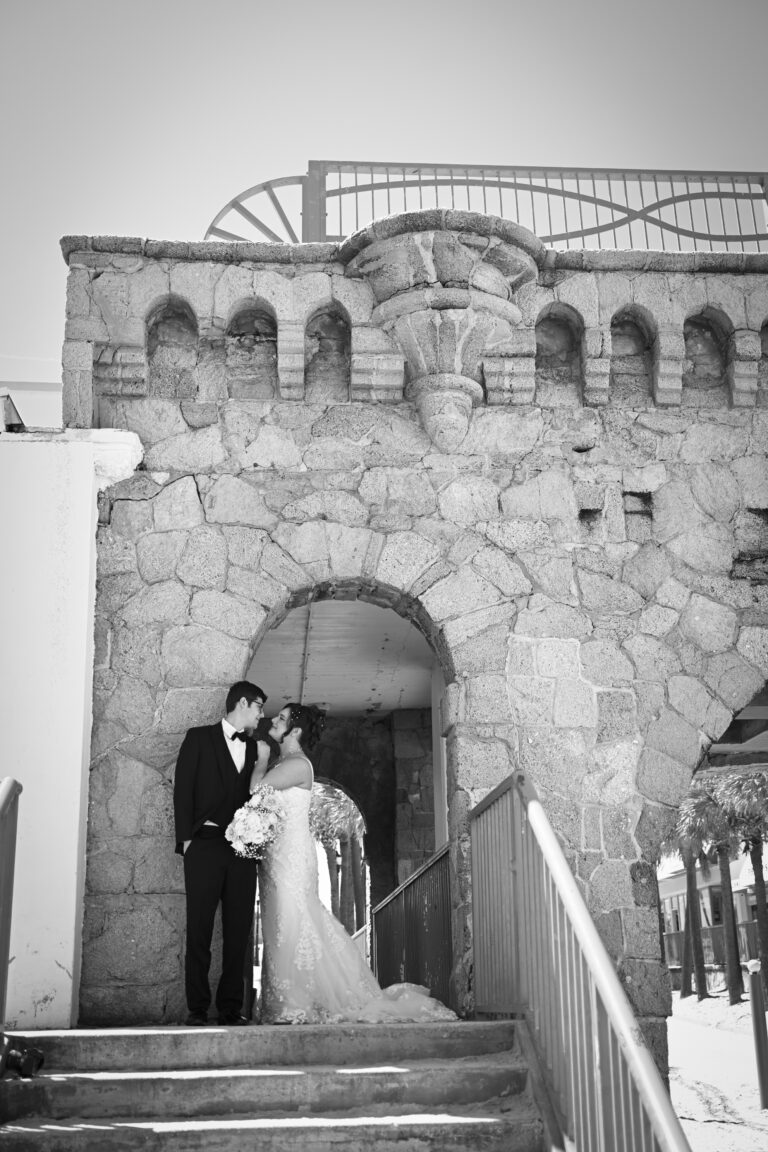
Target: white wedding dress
x=313 y=972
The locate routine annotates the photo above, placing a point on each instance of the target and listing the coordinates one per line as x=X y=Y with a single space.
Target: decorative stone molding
x=377 y=368
x=290 y=360
x=443 y=283
x=743 y=367
x=596 y=350
x=120 y=371
x=668 y=358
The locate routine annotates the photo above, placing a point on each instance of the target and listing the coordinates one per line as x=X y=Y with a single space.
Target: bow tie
x=238 y=736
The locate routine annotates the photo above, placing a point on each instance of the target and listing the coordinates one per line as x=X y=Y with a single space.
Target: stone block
x=308 y=545
x=256 y=587
x=502 y=432
x=515 y=536
x=753 y=646
x=193 y=451
x=340 y=507
x=734 y=679
x=654 y=827
x=157 y=554
x=555 y=758
x=711 y=626
x=653 y=660
x=486 y=700
x=557 y=658
x=672 y=594
x=348 y=549
x=531 y=699
x=709 y=548
x=230 y=500
x=616 y=714
x=675 y=737
x=657 y=621
x=597 y=375
x=663 y=779
x=185 y=708
x=228 y=614
x=478 y=763
x=610 y=887
x=617 y=840
x=273 y=448
x=163 y=603
x=521 y=660
x=674 y=511
x=193 y=654
x=716 y=491
x=603 y=596
x=178 y=506
x=153 y=419
x=509 y=379
x=469 y=500
x=544 y=617
x=602 y=662
x=245 y=546
x=460 y=593
x=646 y=983
x=493 y=564
x=136 y=652
x=574 y=704
x=404 y=558
x=551 y=575
x=116 y=554
x=137 y=945
x=203 y=561
x=277 y=564
x=710 y=442
x=404 y=490
x=752 y=475
x=130 y=518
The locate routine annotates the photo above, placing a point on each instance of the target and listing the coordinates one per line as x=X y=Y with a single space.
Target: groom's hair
x=244 y=688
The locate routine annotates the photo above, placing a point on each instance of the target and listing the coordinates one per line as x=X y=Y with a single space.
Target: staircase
x=447 y=1087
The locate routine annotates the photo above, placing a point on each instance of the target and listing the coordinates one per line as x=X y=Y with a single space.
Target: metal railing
x=674 y=211
x=412 y=930
x=550 y=965
x=10 y=791
x=713 y=941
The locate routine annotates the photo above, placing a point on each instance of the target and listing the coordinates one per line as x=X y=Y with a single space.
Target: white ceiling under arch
x=349 y=657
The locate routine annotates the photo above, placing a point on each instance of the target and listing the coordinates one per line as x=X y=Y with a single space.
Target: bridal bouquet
x=255 y=825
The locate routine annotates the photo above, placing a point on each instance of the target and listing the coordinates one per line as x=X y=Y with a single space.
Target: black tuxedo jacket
x=207 y=786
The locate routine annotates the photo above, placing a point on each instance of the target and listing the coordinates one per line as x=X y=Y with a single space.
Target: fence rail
x=674 y=211
x=412 y=930
x=713 y=940
x=600 y=1076
x=10 y=791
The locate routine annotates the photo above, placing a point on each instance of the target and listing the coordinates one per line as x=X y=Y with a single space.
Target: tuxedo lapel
x=224 y=761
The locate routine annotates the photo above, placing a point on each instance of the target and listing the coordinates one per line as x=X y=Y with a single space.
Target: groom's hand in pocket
x=186 y=845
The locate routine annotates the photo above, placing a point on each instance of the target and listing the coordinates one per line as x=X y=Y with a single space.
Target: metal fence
x=412 y=930
x=713 y=940
x=10 y=791
x=600 y=1076
x=567 y=208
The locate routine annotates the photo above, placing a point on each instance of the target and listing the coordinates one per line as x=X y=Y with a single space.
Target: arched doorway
x=381 y=685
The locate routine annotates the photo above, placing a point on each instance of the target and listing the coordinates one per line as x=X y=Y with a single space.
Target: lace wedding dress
x=313 y=972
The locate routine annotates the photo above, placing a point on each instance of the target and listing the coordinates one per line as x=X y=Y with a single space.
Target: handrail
x=657 y=210
x=601 y=1076
x=411 y=930
x=10 y=790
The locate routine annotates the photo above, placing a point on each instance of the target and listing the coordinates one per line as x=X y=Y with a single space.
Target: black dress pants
x=213 y=874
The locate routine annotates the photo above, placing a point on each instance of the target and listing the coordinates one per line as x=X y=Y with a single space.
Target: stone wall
x=415 y=832
x=586 y=565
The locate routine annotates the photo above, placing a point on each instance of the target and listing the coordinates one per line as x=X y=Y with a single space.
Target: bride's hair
x=310 y=719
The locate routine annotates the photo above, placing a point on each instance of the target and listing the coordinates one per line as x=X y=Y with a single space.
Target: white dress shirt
x=236 y=747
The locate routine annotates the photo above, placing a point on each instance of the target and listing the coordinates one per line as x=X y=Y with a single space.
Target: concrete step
x=511 y=1127
x=265 y=1046
x=245 y=1091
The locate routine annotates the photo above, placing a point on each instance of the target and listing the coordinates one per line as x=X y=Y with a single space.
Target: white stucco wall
x=48 y=488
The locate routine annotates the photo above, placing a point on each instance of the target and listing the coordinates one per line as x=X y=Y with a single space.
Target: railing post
x=313 y=203
x=9 y=808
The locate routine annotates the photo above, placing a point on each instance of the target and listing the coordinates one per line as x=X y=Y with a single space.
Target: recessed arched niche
x=172 y=350
x=251 y=353
x=707 y=348
x=327 y=355
x=631 y=359
x=559 y=371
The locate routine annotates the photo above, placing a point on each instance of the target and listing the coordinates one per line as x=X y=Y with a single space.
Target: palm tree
x=744 y=796
x=690 y=850
x=702 y=817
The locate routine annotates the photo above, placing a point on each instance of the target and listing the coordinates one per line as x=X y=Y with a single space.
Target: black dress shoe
x=196 y=1020
x=234 y=1021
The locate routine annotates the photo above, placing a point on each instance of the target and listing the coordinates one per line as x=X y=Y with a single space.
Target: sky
x=144 y=117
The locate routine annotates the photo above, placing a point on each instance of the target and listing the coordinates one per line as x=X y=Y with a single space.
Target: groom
x=212 y=780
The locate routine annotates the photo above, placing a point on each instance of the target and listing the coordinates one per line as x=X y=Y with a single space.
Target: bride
x=313 y=972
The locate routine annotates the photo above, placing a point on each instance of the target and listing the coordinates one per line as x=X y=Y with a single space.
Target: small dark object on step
x=20 y=1058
